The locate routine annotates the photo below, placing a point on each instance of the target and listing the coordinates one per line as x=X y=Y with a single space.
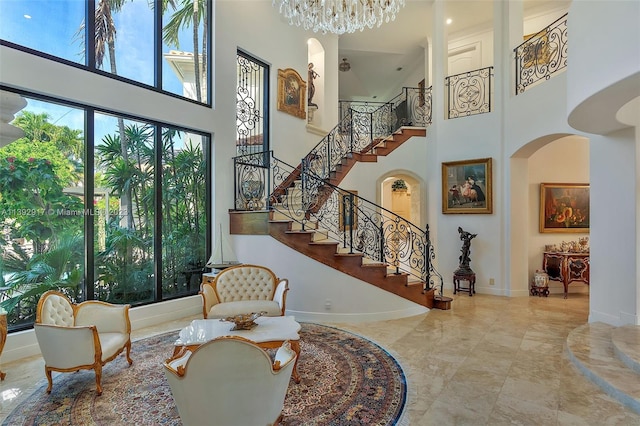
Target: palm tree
x=59 y=268
x=105 y=39
x=192 y=13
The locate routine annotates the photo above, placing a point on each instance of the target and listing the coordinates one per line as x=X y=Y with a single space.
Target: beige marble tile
x=487 y=361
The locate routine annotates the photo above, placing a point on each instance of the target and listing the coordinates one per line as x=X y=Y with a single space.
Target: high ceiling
x=382 y=58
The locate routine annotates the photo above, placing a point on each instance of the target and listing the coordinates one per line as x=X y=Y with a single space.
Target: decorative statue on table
x=466 y=237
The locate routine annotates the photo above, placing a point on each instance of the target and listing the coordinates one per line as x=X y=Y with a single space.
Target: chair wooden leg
x=98 y=369
x=47 y=372
x=129 y=360
x=2 y=375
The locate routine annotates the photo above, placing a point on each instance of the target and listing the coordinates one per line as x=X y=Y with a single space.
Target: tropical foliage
x=136 y=176
x=37 y=209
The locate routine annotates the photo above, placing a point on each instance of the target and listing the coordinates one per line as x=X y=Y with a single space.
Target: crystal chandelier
x=338 y=16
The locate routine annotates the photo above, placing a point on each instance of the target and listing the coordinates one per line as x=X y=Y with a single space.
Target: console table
x=566 y=267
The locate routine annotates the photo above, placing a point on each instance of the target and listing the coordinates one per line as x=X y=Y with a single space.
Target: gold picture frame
x=564 y=207
x=292 y=93
x=347 y=221
x=467 y=187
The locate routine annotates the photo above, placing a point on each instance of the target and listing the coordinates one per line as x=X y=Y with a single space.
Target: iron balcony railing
x=359 y=225
x=469 y=93
x=541 y=55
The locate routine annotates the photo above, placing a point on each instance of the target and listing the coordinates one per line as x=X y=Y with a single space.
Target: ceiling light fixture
x=344 y=66
x=338 y=16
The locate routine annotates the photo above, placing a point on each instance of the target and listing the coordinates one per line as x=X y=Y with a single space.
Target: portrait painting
x=292 y=93
x=466 y=186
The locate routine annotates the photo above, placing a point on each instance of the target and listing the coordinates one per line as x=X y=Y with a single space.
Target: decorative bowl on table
x=244 y=321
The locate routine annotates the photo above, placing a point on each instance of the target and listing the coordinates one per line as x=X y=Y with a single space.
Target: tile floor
x=487 y=361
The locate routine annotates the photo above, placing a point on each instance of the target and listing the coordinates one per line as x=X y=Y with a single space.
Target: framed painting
x=348 y=212
x=292 y=93
x=564 y=207
x=466 y=187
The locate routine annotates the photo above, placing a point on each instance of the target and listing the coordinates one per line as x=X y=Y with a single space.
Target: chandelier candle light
x=338 y=16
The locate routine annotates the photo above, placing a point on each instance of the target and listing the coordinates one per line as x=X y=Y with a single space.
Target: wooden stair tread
x=319 y=247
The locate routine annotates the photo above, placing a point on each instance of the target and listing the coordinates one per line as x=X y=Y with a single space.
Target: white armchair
x=244 y=289
x=80 y=336
x=230 y=381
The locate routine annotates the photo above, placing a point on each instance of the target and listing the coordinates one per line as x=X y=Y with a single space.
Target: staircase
x=316 y=243
x=369 y=154
x=305 y=209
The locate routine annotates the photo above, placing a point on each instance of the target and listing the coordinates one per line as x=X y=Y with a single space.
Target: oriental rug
x=345 y=380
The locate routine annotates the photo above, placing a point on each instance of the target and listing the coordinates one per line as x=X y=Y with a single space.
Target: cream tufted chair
x=80 y=336
x=230 y=381
x=244 y=289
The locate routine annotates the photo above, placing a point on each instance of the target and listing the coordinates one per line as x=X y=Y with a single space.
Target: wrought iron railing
x=364 y=125
x=469 y=93
x=359 y=225
x=412 y=107
x=541 y=55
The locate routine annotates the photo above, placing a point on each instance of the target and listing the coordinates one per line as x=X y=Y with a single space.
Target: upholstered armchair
x=81 y=336
x=244 y=289
x=230 y=381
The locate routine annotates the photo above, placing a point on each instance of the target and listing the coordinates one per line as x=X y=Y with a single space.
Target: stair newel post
x=370 y=144
x=328 y=163
x=395 y=244
x=351 y=223
x=304 y=164
x=235 y=182
x=427 y=278
x=382 y=242
x=268 y=157
x=351 y=126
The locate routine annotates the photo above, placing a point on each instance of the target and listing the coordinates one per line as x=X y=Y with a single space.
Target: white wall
x=318 y=292
x=284 y=47
x=614 y=244
x=598 y=88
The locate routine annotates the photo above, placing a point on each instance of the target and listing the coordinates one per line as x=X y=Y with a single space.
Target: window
x=80 y=208
x=124 y=41
x=252 y=110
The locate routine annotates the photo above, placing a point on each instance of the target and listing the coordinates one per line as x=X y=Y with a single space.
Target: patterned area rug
x=346 y=380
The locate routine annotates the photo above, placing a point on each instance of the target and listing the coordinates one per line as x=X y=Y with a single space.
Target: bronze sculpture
x=463 y=267
x=312 y=87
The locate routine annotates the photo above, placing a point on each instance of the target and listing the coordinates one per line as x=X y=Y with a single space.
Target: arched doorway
x=556 y=158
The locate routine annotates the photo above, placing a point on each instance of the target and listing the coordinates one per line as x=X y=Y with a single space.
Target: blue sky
x=51 y=26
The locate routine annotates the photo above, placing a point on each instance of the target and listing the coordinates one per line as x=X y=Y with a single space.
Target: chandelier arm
x=338 y=16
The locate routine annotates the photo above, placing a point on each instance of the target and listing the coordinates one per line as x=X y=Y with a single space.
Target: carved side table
x=466 y=277
x=3 y=338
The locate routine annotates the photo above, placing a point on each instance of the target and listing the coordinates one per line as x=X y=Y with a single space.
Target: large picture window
x=113 y=210
x=123 y=41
